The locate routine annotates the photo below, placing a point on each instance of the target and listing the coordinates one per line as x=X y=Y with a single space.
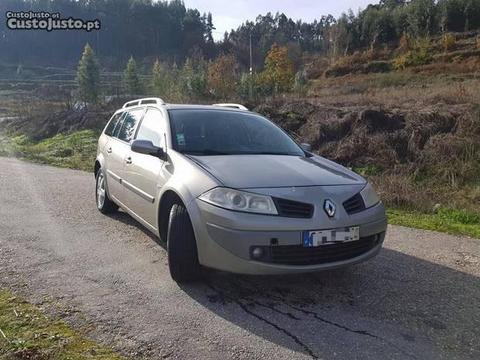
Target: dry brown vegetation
x=416 y=157
x=398 y=89
x=414 y=133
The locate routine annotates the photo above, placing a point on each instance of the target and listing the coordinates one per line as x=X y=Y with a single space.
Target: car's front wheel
x=104 y=204
x=182 y=247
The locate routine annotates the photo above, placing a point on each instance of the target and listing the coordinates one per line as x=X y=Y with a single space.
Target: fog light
x=257 y=252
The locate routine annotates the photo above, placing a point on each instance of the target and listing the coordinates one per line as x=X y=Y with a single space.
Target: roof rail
x=144 y=101
x=233 y=106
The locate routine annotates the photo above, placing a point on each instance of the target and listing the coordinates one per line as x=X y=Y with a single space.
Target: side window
x=152 y=128
x=111 y=125
x=128 y=127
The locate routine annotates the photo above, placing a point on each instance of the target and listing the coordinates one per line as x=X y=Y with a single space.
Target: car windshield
x=223 y=132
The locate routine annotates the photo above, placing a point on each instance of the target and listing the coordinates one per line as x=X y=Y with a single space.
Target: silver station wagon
x=228 y=189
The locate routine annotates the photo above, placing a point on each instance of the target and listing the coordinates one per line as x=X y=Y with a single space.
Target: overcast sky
x=229 y=14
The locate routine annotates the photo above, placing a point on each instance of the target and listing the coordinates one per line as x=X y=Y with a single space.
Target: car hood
x=265 y=171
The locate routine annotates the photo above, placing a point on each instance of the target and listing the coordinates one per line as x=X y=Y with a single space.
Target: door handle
x=128 y=160
x=109 y=150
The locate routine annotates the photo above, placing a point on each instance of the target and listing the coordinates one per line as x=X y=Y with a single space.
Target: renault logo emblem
x=329 y=208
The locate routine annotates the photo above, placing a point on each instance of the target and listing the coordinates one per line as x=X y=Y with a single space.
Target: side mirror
x=146 y=147
x=306 y=147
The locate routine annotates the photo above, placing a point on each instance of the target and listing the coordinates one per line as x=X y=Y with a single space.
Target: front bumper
x=225 y=239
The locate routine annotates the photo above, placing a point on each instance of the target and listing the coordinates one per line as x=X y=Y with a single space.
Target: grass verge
x=27 y=333
x=74 y=151
x=451 y=221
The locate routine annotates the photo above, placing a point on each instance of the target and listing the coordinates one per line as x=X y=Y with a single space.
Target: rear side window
x=129 y=123
x=152 y=128
x=109 y=130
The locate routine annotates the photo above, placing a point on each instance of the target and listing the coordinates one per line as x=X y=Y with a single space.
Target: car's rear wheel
x=104 y=204
x=182 y=247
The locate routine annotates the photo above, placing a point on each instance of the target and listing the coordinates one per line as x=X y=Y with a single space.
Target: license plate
x=324 y=237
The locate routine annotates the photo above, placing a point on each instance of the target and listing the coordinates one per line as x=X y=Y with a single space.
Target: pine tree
x=193 y=78
x=158 y=80
x=88 y=76
x=131 y=79
x=209 y=28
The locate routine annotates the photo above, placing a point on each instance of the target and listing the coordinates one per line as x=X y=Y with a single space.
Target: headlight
x=240 y=201
x=369 y=196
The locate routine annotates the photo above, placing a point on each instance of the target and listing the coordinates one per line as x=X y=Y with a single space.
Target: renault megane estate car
x=228 y=189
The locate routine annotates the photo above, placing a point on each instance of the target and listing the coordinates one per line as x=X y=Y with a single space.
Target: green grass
x=451 y=221
x=75 y=151
x=27 y=333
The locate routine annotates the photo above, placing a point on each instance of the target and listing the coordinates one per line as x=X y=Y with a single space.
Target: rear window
x=130 y=121
x=109 y=130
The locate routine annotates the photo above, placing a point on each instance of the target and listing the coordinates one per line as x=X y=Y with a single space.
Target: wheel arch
x=168 y=198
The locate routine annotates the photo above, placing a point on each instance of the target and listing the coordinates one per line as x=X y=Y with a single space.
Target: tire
x=104 y=204
x=181 y=246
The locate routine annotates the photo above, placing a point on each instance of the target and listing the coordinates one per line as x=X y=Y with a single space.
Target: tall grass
x=75 y=151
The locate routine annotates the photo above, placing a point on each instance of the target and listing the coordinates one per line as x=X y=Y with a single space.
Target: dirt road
x=419 y=299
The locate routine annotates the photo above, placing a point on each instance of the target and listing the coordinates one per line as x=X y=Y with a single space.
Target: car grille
x=293 y=209
x=354 y=205
x=299 y=255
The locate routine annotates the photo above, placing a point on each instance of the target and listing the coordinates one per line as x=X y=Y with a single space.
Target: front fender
x=185 y=178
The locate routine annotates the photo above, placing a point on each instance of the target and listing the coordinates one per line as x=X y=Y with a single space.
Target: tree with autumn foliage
x=222 y=76
x=278 y=75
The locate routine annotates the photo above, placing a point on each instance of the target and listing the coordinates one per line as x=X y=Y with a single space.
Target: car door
x=144 y=173
x=111 y=166
x=120 y=148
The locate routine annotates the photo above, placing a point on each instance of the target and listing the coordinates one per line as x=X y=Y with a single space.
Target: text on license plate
x=323 y=237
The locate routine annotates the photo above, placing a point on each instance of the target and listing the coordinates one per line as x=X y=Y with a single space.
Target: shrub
x=448 y=42
x=377 y=67
x=278 y=74
x=366 y=62
x=420 y=54
x=349 y=60
x=404 y=43
x=251 y=87
x=300 y=83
